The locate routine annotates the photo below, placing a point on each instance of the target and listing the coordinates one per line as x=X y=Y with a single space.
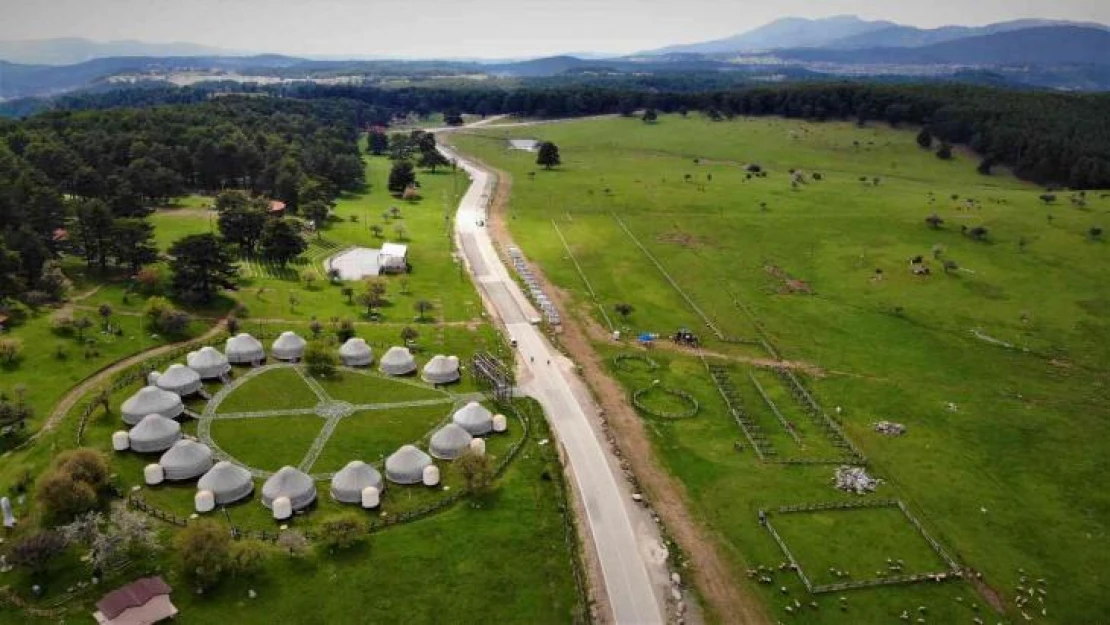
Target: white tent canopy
x=227 y=482
x=393 y=257
x=474 y=418
x=288 y=346
x=347 y=485
x=441 y=369
x=398 y=361
x=288 y=482
x=449 y=442
x=244 y=349
x=208 y=362
x=179 y=379
x=406 y=465
x=154 y=433
x=151 y=400
x=186 y=460
x=356 y=353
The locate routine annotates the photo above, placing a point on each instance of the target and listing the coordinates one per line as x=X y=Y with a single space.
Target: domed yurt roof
x=356 y=353
x=208 y=362
x=154 y=433
x=474 y=418
x=227 y=482
x=398 y=361
x=441 y=369
x=151 y=400
x=243 y=348
x=288 y=346
x=291 y=483
x=186 y=460
x=449 y=442
x=348 y=483
x=406 y=465
x=179 y=379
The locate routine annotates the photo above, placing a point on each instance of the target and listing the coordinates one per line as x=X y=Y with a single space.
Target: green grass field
x=1002 y=477
x=279 y=389
x=372 y=388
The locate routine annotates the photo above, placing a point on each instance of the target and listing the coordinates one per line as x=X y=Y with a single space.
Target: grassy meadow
x=997 y=366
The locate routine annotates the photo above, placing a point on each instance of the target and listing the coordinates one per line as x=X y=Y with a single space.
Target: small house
x=141 y=602
x=393 y=258
x=277 y=208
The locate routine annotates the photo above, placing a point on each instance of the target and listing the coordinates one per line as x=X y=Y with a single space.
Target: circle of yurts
x=288 y=346
x=292 y=483
x=474 y=418
x=243 y=349
x=208 y=362
x=398 y=361
x=356 y=353
x=179 y=379
x=441 y=369
x=151 y=400
x=406 y=465
x=186 y=460
x=227 y=482
x=449 y=442
x=154 y=433
x=349 y=482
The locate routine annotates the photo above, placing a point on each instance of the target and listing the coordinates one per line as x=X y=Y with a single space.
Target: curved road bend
x=626 y=580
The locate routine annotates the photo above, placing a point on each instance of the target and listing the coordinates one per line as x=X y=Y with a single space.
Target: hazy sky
x=476 y=28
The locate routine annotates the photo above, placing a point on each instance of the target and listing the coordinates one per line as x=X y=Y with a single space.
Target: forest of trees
x=83 y=182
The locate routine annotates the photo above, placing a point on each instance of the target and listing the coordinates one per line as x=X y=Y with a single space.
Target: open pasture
x=993 y=360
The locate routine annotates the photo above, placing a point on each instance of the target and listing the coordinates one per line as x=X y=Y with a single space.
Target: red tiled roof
x=132 y=595
x=276 y=205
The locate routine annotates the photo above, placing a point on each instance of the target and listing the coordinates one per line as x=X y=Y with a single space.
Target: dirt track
x=723 y=591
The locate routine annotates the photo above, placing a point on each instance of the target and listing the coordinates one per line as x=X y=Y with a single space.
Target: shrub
x=150 y=280
x=86 y=465
x=320 y=359
x=11 y=349
x=204 y=552
x=341 y=532
x=61 y=323
x=477 y=471
x=245 y=557
x=37 y=551
x=63 y=497
x=294 y=542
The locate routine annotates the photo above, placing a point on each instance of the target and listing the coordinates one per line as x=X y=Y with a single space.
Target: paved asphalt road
x=546 y=377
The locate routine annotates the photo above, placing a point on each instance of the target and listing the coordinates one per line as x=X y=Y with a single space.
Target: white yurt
x=449 y=442
x=244 y=349
x=186 y=460
x=288 y=346
x=406 y=465
x=179 y=379
x=291 y=483
x=398 y=361
x=208 y=362
x=356 y=353
x=227 y=482
x=154 y=433
x=474 y=418
x=151 y=400
x=441 y=369
x=347 y=485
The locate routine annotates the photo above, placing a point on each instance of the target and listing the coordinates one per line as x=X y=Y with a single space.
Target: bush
x=63 y=497
x=204 y=552
x=10 y=349
x=150 y=280
x=341 y=532
x=245 y=557
x=320 y=359
x=85 y=465
x=477 y=471
x=61 y=323
x=37 y=551
x=294 y=542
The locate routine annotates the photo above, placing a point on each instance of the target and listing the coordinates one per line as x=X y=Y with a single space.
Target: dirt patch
x=680 y=238
x=720 y=586
x=989 y=594
x=789 y=283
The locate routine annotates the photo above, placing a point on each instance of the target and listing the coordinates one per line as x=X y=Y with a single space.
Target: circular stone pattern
x=687 y=398
x=330 y=409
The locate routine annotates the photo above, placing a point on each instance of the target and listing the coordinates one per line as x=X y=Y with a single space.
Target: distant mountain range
x=71 y=50
x=849 y=32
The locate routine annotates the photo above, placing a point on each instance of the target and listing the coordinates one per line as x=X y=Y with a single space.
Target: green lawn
x=267 y=443
x=1002 y=480
x=372 y=388
x=373 y=435
x=276 y=389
